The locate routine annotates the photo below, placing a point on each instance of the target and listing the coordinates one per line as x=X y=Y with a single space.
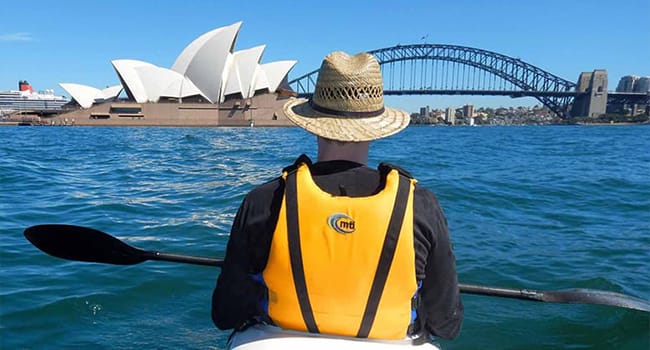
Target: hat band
x=345 y=113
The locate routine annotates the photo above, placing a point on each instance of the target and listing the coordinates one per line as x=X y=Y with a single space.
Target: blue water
x=528 y=207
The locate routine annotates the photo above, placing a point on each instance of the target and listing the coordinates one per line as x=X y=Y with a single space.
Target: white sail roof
x=276 y=71
x=241 y=77
x=86 y=95
x=180 y=88
x=261 y=81
x=162 y=82
x=147 y=83
x=111 y=92
x=206 y=61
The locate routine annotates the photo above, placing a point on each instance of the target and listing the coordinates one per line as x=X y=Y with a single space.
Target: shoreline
x=22 y=123
x=260 y=110
x=612 y=124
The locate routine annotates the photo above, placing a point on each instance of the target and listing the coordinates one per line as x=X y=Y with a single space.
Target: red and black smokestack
x=23 y=85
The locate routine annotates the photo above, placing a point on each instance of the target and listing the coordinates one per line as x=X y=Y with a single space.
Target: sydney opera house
x=209 y=84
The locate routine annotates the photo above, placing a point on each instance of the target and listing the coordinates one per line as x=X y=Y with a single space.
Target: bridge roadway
x=631 y=96
x=511 y=93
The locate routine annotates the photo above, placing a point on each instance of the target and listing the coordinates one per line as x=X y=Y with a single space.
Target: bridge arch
x=438 y=69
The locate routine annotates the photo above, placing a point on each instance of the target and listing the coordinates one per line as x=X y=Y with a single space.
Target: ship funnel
x=23 y=85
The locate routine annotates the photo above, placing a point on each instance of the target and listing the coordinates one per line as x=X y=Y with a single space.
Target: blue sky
x=48 y=42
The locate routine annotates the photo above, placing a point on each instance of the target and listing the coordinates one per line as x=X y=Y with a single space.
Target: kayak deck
x=264 y=337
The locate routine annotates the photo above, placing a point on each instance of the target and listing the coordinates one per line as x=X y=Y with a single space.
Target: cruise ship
x=25 y=100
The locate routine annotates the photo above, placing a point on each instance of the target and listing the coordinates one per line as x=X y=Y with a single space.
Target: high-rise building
x=468 y=111
x=424 y=111
x=627 y=83
x=642 y=85
x=450 y=115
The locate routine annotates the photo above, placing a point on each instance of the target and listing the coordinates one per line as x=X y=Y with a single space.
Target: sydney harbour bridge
x=435 y=69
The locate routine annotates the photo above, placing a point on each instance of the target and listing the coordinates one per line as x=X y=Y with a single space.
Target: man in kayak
x=337 y=247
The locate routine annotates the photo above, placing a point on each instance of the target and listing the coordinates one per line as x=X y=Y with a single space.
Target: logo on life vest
x=341 y=223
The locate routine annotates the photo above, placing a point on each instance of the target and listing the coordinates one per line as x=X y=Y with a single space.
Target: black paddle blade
x=581 y=296
x=594 y=296
x=83 y=244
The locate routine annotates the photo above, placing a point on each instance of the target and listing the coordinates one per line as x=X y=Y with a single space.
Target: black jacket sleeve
x=440 y=308
x=238 y=293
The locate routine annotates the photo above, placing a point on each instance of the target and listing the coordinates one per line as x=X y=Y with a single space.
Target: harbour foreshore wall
x=262 y=110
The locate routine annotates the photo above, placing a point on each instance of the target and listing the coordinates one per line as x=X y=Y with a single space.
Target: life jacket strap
x=295 y=252
x=386 y=257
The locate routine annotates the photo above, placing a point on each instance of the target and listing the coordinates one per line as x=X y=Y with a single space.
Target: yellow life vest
x=343 y=265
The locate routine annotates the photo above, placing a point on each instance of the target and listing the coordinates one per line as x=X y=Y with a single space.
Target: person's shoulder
x=268 y=187
x=425 y=194
x=386 y=166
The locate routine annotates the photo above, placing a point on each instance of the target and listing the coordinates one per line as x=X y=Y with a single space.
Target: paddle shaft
x=464 y=288
x=524 y=294
x=587 y=296
x=195 y=260
x=90 y=245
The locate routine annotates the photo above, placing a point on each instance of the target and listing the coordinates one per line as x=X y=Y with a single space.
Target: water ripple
x=533 y=207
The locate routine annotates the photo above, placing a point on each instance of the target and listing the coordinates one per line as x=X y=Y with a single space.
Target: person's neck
x=337 y=150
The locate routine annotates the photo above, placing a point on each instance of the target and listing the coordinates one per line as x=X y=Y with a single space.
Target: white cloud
x=23 y=36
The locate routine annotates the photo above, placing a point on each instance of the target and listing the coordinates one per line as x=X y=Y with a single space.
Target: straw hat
x=348 y=102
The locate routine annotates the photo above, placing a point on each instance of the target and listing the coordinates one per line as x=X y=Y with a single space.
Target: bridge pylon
x=592 y=98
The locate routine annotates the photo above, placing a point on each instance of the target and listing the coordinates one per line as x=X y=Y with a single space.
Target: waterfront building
x=634 y=84
x=425 y=112
x=626 y=84
x=209 y=84
x=468 y=111
x=642 y=85
x=450 y=115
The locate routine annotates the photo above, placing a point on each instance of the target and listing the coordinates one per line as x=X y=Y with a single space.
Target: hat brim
x=349 y=129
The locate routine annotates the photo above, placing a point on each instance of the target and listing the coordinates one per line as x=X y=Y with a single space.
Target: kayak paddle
x=87 y=244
